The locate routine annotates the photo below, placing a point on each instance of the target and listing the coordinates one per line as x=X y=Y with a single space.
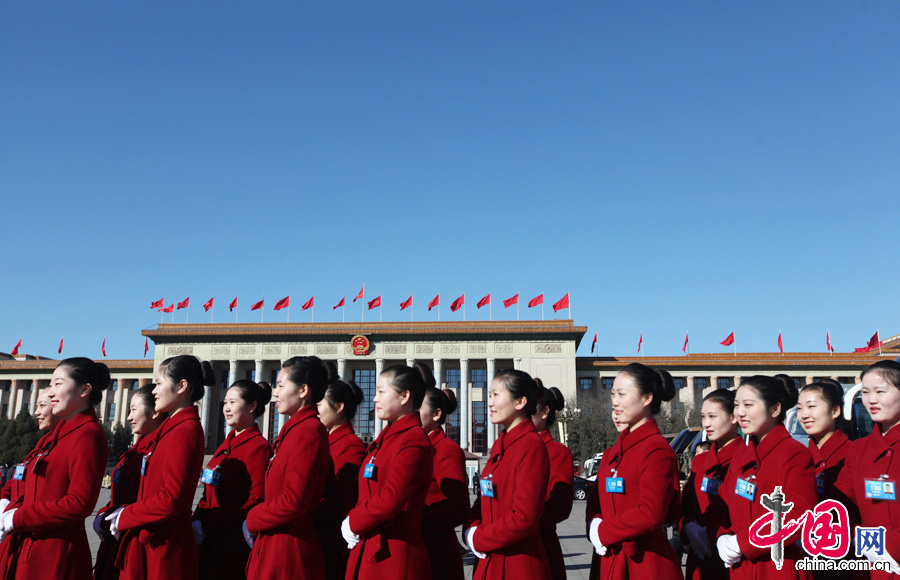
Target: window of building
x=364 y=422
x=6 y=385
x=479 y=427
x=452 y=425
x=679 y=383
x=451 y=377
x=608 y=383
x=223 y=384
x=112 y=412
x=479 y=378
x=798 y=384
x=586 y=383
x=701 y=382
x=5 y=410
x=724 y=383
x=249 y=375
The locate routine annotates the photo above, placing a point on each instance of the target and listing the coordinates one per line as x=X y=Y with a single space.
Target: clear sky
x=677 y=166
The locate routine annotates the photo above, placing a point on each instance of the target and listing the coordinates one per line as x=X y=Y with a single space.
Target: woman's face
x=44 y=412
x=238 y=412
x=389 y=404
x=504 y=409
x=718 y=423
x=168 y=394
x=629 y=406
x=289 y=396
x=753 y=416
x=429 y=416
x=815 y=414
x=882 y=400
x=66 y=398
x=328 y=416
x=143 y=419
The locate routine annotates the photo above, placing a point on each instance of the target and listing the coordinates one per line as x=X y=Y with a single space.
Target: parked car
x=582 y=487
x=684 y=445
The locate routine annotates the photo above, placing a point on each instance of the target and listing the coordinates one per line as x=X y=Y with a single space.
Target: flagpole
x=781 y=348
x=344 y=309
x=262 y=311
x=362 y=305
x=380 y=313
x=236 y=311
x=162 y=314
x=411 y=308
x=289 y=308
x=464 y=311
x=212 y=311
x=542 y=306
x=187 y=314
x=491 y=313
x=517 y=310
x=173 y=316
x=879 y=342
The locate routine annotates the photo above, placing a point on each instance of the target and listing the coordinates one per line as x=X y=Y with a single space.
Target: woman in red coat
x=284 y=543
x=234 y=480
x=871 y=467
x=772 y=458
x=158 y=542
x=708 y=471
x=448 y=495
x=819 y=409
x=636 y=490
x=560 y=486
x=336 y=411
x=126 y=478
x=384 y=530
x=62 y=482
x=502 y=528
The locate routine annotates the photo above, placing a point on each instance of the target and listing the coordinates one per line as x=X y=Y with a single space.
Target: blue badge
x=487 y=488
x=20 y=472
x=745 y=489
x=211 y=476
x=615 y=485
x=144 y=465
x=117 y=473
x=820 y=484
x=881 y=489
x=369 y=471
x=710 y=485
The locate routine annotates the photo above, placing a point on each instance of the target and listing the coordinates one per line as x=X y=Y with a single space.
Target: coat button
x=822 y=464
x=888 y=453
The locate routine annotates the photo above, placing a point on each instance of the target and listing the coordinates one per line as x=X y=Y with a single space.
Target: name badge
x=820 y=484
x=20 y=472
x=117 y=473
x=710 y=485
x=211 y=476
x=882 y=489
x=487 y=488
x=144 y=465
x=615 y=485
x=745 y=489
x=369 y=471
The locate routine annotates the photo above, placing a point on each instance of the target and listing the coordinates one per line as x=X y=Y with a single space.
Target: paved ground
x=575 y=547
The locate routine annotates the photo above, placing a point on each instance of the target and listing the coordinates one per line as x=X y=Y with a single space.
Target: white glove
x=696 y=535
x=594 y=537
x=894 y=567
x=349 y=537
x=729 y=550
x=248 y=537
x=97 y=521
x=3 y=504
x=7 y=519
x=197 y=526
x=470 y=541
x=113 y=520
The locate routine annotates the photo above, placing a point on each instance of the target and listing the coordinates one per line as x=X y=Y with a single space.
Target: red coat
x=158 y=541
x=446 y=505
x=829 y=462
x=62 y=483
x=126 y=481
x=560 y=495
x=632 y=526
x=388 y=514
x=240 y=463
x=508 y=524
x=341 y=491
x=15 y=488
x=287 y=545
x=870 y=458
x=712 y=465
x=776 y=460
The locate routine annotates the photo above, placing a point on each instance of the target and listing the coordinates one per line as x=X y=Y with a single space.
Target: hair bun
x=356 y=394
x=426 y=373
x=209 y=376
x=452 y=403
x=265 y=394
x=667 y=391
x=103 y=377
x=791 y=394
x=331 y=374
x=556 y=398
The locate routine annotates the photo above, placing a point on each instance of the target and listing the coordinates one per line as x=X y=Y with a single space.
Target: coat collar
x=234 y=440
x=628 y=438
x=339 y=433
x=546 y=437
x=63 y=428
x=507 y=439
x=722 y=457
x=308 y=412
x=172 y=421
x=835 y=442
x=404 y=423
x=436 y=436
x=756 y=451
x=882 y=444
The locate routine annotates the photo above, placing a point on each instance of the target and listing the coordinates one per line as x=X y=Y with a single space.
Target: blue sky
x=676 y=166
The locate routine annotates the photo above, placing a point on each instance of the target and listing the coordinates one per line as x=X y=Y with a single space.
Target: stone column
x=691 y=399
x=464 y=403
x=265 y=416
x=737 y=381
x=123 y=408
x=103 y=407
x=32 y=403
x=439 y=373
x=517 y=364
x=379 y=366
x=491 y=428
x=713 y=383
x=410 y=362
x=144 y=382
x=342 y=368
x=810 y=380
x=13 y=395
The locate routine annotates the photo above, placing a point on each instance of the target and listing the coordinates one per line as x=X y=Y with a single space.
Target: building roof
x=741 y=361
x=42 y=364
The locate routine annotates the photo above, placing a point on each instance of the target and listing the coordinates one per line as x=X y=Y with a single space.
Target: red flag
x=146 y=347
x=258 y=305
x=159 y=303
x=284 y=303
x=593 y=344
x=309 y=303
x=208 y=305
x=361 y=292
x=510 y=301
x=536 y=301
x=233 y=305
x=828 y=341
x=15 y=349
x=60 y=345
x=728 y=341
x=169 y=308
x=184 y=303
x=484 y=301
x=339 y=304
x=563 y=303
x=457 y=304
x=406 y=303
x=780 y=345
x=684 y=348
x=871 y=345
x=434 y=302
x=375 y=303
x=640 y=342
x=103 y=347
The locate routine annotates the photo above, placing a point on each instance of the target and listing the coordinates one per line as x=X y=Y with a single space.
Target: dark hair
x=659 y=384
x=312 y=372
x=774 y=390
x=185 y=367
x=722 y=397
x=887 y=369
x=550 y=398
x=346 y=392
x=521 y=385
x=84 y=371
x=831 y=391
x=703 y=445
x=442 y=399
x=145 y=396
x=403 y=378
x=253 y=392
